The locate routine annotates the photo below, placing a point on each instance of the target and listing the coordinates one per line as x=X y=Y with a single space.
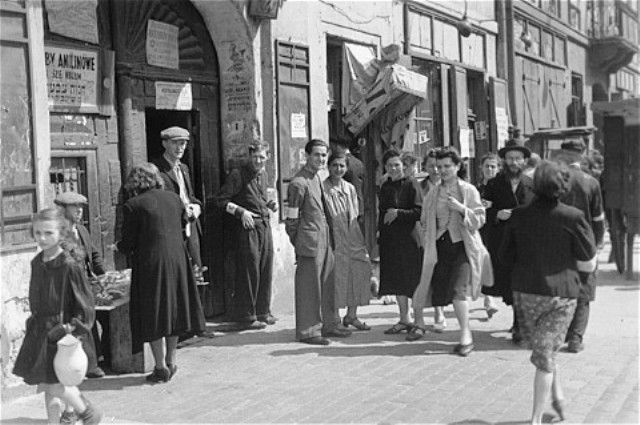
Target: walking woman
x=398 y=212
x=456 y=263
x=352 y=269
x=489 y=166
x=546 y=244
x=164 y=298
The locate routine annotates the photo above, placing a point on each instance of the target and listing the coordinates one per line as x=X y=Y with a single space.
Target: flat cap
x=70 y=198
x=174 y=133
x=574 y=145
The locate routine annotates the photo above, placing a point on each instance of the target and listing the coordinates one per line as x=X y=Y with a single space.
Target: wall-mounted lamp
x=525 y=37
x=464 y=26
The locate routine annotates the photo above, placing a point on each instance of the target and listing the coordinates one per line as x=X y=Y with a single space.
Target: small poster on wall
x=298 y=126
x=72 y=79
x=502 y=123
x=162 y=45
x=175 y=96
x=76 y=19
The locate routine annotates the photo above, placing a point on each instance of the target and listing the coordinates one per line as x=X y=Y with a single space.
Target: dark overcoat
x=498 y=191
x=164 y=296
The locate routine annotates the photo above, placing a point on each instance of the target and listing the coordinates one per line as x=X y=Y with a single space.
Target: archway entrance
x=167 y=73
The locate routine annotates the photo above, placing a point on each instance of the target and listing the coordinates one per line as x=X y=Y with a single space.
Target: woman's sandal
x=398 y=328
x=416 y=333
x=356 y=323
x=558 y=406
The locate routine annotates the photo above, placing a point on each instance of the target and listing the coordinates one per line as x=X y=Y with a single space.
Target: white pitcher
x=70 y=362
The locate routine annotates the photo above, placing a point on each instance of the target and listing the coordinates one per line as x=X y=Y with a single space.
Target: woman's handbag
x=70 y=362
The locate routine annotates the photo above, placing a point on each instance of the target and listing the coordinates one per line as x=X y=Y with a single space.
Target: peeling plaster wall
x=15 y=310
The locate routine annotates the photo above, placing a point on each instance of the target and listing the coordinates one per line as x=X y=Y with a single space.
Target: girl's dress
x=400 y=256
x=35 y=359
x=352 y=271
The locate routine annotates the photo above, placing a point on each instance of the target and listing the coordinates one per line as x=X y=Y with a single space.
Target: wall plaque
x=162 y=44
x=72 y=79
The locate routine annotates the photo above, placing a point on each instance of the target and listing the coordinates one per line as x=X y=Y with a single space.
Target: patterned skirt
x=544 y=321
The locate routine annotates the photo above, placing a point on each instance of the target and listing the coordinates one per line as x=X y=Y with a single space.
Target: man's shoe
x=337 y=333
x=268 y=319
x=68 y=417
x=96 y=372
x=463 y=350
x=316 y=340
x=575 y=346
x=245 y=326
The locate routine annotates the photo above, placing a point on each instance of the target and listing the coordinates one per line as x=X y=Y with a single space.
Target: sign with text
x=76 y=19
x=175 y=96
x=72 y=79
x=162 y=45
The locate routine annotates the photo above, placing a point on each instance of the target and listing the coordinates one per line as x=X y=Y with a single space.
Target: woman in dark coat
x=546 y=244
x=164 y=297
x=400 y=257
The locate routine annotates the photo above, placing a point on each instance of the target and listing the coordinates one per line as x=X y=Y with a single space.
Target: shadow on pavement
x=23 y=420
x=613 y=278
x=114 y=382
x=481 y=422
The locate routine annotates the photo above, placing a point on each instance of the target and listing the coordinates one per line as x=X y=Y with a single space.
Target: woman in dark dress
x=164 y=297
x=545 y=245
x=400 y=257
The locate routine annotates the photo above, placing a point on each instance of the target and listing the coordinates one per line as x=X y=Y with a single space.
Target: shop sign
x=502 y=124
x=174 y=96
x=72 y=79
x=162 y=44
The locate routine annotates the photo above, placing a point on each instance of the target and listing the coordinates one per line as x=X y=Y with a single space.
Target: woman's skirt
x=544 y=321
x=451 y=274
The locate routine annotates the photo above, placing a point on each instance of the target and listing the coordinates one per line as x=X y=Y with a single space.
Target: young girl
x=52 y=270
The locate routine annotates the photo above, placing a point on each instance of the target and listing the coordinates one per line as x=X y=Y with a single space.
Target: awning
x=395 y=86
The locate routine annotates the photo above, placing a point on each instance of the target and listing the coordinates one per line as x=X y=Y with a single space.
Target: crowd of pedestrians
x=524 y=236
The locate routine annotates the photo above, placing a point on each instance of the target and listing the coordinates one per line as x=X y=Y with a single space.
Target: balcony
x=613 y=33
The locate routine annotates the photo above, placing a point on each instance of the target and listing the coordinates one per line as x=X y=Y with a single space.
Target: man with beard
x=509 y=189
x=244 y=196
x=584 y=193
x=176 y=179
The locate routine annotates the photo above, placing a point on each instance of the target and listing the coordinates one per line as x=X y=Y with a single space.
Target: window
x=426 y=120
x=574 y=14
x=560 y=48
x=534 y=32
x=625 y=81
x=547 y=45
x=420 y=36
x=552 y=7
x=473 y=50
x=577 y=111
x=17 y=173
x=445 y=40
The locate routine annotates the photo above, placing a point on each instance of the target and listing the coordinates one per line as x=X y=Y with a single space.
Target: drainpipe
x=507 y=28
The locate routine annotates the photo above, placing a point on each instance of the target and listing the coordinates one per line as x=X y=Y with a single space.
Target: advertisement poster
x=174 y=96
x=77 y=19
x=298 y=126
x=502 y=123
x=162 y=45
x=72 y=79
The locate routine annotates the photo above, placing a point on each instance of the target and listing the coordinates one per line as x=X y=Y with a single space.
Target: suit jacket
x=307 y=224
x=542 y=244
x=171 y=184
x=93 y=259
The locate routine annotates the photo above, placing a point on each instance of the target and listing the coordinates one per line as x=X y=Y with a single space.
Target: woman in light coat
x=456 y=264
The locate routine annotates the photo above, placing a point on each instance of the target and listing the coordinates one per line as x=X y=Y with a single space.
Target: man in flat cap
x=584 y=193
x=176 y=179
x=244 y=197
x=80 y=245
x=509 y=189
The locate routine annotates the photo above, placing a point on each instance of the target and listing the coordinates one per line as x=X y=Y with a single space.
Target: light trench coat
x=479 y=259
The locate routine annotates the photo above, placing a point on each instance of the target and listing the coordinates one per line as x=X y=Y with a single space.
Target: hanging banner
x=77 y=19
x=72 y=79
x=174 y=96
x=162 y=44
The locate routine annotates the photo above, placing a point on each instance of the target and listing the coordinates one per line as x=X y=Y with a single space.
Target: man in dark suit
x=584 y=193
x=309 y=229
x=176 y=179
x=74 y=204
x=509 y=189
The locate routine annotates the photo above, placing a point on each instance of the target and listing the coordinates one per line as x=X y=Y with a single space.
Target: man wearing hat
x=87 y=254
x=584 y=193
x=509 y=189
x=176 y=179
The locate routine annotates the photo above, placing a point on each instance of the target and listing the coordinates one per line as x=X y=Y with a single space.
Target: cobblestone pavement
x=264 y=376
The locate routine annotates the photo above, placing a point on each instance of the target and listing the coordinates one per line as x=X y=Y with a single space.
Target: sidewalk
x=266 y=377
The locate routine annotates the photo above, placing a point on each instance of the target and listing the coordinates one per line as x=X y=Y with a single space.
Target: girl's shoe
x=416 y=333
x=356 y=323
x=91 y=415
x=68 y=417
x=159 y=375
x=558 y=406
x=398 y=328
